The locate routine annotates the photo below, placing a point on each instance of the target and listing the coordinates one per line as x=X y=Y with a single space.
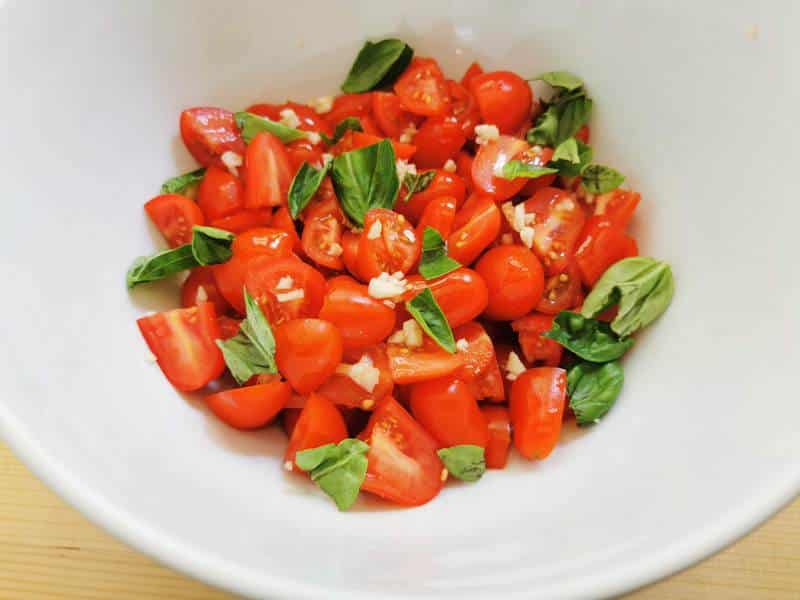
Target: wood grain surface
x=50 y=552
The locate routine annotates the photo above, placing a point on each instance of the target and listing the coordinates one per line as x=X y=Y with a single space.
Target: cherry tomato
x=476 y=226
x=473 y=70
x=422 y=88
x=442 y=184
x=616 y=207
x=228 y=326
x=267 y=172
x=403 y=465
x=350 y=243
x=558 y=223
x=499 y=421
x=250 y=407
x=262 y=241
x=309 y=119
x=342 y=390
x=537 y=409
x=201 y=287
x=464 y=162
x=479 y=353
x=301 y=151
x=541 y=158
x=283 y=220
x=428 y=362
x=390 y=115
x=174 y=216
x=535 y=348
x=463 y=108
x=349 y=105
x=395 y=247
x=504 y=98
x=490 y=160
x=515 y=280
x=353 y=140
x=489 y=385
x=561 y=291
x=462 y=294
x=318 y=423
x=208 y=133
x=219 y=194
x=244 y=220
x=276 y=284
x=289 y=420
x=361 y=319
x=439 y=214
x=307 y=352
x=449 y=411
x=601 y=246
x=183 y=341
x=439 y=139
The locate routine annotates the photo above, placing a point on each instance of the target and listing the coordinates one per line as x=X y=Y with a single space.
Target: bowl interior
x=695 y=110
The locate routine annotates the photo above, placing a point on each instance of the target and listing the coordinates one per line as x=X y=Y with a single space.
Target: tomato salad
x=411 y=276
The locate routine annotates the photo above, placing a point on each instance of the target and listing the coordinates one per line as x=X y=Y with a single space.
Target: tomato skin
x=350 y=244
x=515 y=280
x=318 y=423
x=478 y=356
x=307 y=352
x=343 y=391
x=396 y=248
x=558 y=225
x=602 y=246
x=262 y=241
x=174 y=216
x=499 y=444
x=283 y=220
x=440 y=215
x=439 y=139
x=183 y=341
x=361 y=319
x=208 y=133
x=476 y=226
x=403 y=465
x=191 y=295
x=472 y=71
x=228 y=326
x=349 y=105
x=353 y=140
x=448 y=410
x=463 y=108
x=505 y=99
x=464 y=162
x=219 y=194
x=462 y=294
x=390 y=115
x=442 y=184
x=540 y=158
x=267 y=172
x=422 y=89
x=490 y=159
x=615 y=207
x=561 y=292
x=413 y=366
x=250 y=407
x=301 y=151
x=244 y=220
x=537 y=409
x=535 y=348
x=262 y=280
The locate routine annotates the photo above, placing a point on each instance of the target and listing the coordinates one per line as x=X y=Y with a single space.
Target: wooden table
x=50 y=552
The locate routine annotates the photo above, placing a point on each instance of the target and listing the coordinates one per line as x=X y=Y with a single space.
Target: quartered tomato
x=422 y=88
x=558 y=223
x=476 y=226
x=208 y=133
x=440 y=215
x=561 y=292
x=422 y=364
x=464 y=162
x=322 y=230
x=439 y=139
x=472 y=71
x=602 y=244
x=283 y=220
x=490 y=160
x=349 y=105
x=499 y=444
x=353 y=140
x=285 y=288
x=201 y=287
x=219 y=194
x=342 y=390
x=174 y=216
x=309 y=119
x=504 y=99
x=462 y=294
x=537 y=409
x=515 y=280
x=449 y=411
x=389 y=244
x=390 y=115
x=536 y=348
x=479 y=353
x=307 y=352
x=361 y=319
x=183 y=341
x=615 y=207
x=463 y=108
x=267 y=172
x=243 y=220
x=538 y=156
x=319 y=423
x=490 y=384
x=442 y=184
x=403 y=465
x=250 y=407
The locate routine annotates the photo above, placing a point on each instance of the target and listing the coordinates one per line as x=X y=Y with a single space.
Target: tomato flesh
x=267 y=172
x=208 y=133
x=174 y=216
x=536 y=348
x=219 y=194
x=389 y=245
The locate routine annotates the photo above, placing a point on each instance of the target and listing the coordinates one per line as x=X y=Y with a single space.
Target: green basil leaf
x=516 y=168
x=251 y=124
x=426 y=311
x=642 y=286
x=252 y=350
x=597 y=179
x=464 y=462
x=561 y=79
x=257 y=329
x=590 y=339
x=304 y=185
x=342 y=127
x=378 y=64
x=338 y=469
x=181 y=183
x=210 y=245
x=569 y=167
x=593 y=389
x=546 y=128
x=160 y=265
x=366 y=178
x=435 y=262
x=567 y=150
x=574 y=114
x=417 y=182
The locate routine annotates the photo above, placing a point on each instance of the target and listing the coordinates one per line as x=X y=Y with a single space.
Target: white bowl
x=696 y=103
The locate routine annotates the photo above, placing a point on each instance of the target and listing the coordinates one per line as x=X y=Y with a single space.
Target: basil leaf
x=210 y=245
x=544 y=132
x=252 y=350
x=251 y=124
x=342 y=127
x=597 y=179
x=435 y=262
x=417 y=182
x=179 y=184
x=304 y=185
x=642 y=286
x=567 y=150
x=590 y=339
x=378 y=64
x=561 y=79
x=574 y=115
x=565 y=115
x=464 y=462
x=338 y=469
x=366 y=178
x=426 y=311
x=516 y=168
x=256 y=327
x=161 y=265
x=593 y=389
x=565 y=160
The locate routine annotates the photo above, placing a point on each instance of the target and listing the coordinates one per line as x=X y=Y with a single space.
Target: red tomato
x=274 y=283
x=183 y=341
x=449 y=411
x=476 y=226
x=201 y=287
x=478 y=356
x=490 y=159
x=301 y=151
x=602 y=245
x=504 y=98
x=561 y=291
x=319 y=423
x=349 y=105
x=307 y=352
x=309 y=119
x=403 y=465
x=289 y=420
x=395 y=247
x=361 y=319
x=429 y=362
x=439 y=214
x=442 y=184
x=463 y=108
x=616 y=207
x=489 y=385
x=353 y=140
x=583 y=134
x=390 y=115
x=208 y=133
x=267 y=172
x=439 y=139
x=342 y=390
x=462 y=294
x=350 y=243
x=499 y=436
x=174 y=216
x=244 y=220
x=228 y=326
x=558 y=223
x=535 y=348
x=422 y=88
x=283 y=220
x=540 y=158
x=322 y=240
x=250 y=407
x=270 y=111
x=537 y=410
x=262 y=241
x=474 y=70
x=464 y=162
x=219 y=194
x=515 y=280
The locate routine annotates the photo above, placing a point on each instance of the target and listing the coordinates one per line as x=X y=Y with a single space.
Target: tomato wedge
x=448 y=409
x=285 y=288
x=244 y=220
x=537 y=409
x=442 y=184
x=350 y=244
x=412 y=366
x=283 y=220
x=440 y=214
x=219 y=194
x=208 y=133
x=602 y=245
x=174 y=216
x=390 y=115
x=422 y=88
x=535 y=348
x=267 y=172
x=389 y=244
x=439 y=139
x=307 y=352
x=318 y=423
x=353 y=140
x=472 y=71
x=349 y=105
x=250 y=407
x=479 y=352
x=561 y=292
x=463 y=108
x=490 y=160
x=558 y=221
x=476 y=226
x=499 y=444
x=361 y=319
x=342 y=390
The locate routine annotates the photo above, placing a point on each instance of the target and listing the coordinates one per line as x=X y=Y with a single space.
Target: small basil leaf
x=251 y=124
x=574 y=114
x=417 y=182
x=161 y=265
x=378 y=64
x=590 y=339
x=426 y=311
x=210 y=245
x=338 y=469
x=435 y=262
x=464 y=462
x=342 y=127
x=561 y=79
x=546 y=128
x=181 y=183
x=516 y=168
x=593 y=389
x=597 y=179
x=304 y=185
x=257 y=329
x=366 y=178
x=569 y=167
x=642 y=286
x=567 y=150
x=252 y=350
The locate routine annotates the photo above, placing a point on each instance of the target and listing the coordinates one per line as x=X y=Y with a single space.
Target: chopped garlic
x=232 y=161
x=519 y=217
x=514 y=366
x=403 y=168
x=375 y=230
x=363 y=373
x=290 y=118
x=326 y=158
x=260 y=240
x=413 y=333
x=298 y=294
x=313 y=137
x=450 y=166
x=398 y=337
x=486 y=133
x=322 y=105
x=335 y=249
x=527 y=234
x=288 y=465
x=201 y=295
x=389 y=304
x=409 y=235
x=408 y=134
x=462 y=345
x=386 y=286
x=285 y=283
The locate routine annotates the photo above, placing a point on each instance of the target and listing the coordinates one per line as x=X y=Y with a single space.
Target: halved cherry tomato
x=504 y=99
x=281 y=219
x=602 y=245
x=309 y=119
x=319 y=423
x=183 y=341
x=174 y=216
x=228 y=326
x=349 y=105
x=370 y=127
x=219 y=194
x=289 y=420
x=464 y=162
x=403 y=465
x=395 y=247
x=361 y=319
x=515 y=280
x=537 y=409
x=535 y=348
x=462 y=294
x=490 y=385
x=558 y=223
x=428 y=362
x=353 y=140
x=262 y=241
x=616 y=207
x=499 y=421
x=267 y=172
x=490 y=160
x=442 y=184
x=561 y=291
x=422 y=88
x=479 y=353
x=201 y=287
x=539 y=158
x=463 y=108
x=250 y=407
x=350 y=243
x=301 y=151
x=276 y=283
x=208 y=133
x=476 y=226
x=473 y=70
x=307 y=352
x=323 y=226
x=440 y=215
x=390 y=115
x=244 y=220
x=439 y=139
x=342 y=390
x=449 y=411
